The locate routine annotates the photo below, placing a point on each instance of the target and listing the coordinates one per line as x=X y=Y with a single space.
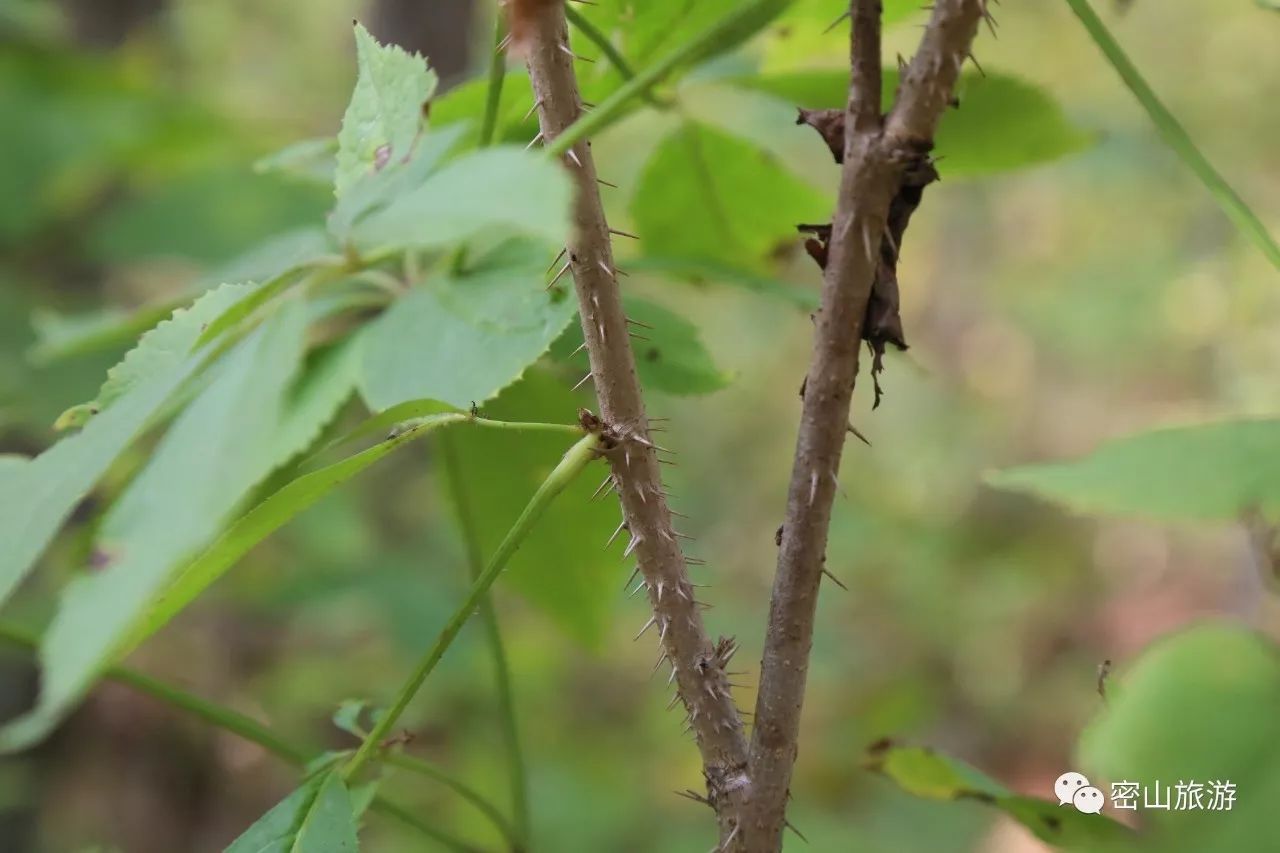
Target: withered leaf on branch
x=882 y=323
x=830 y=126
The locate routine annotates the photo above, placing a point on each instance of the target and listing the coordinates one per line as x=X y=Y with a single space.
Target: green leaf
x=1198 y=706
x=494 y=191
x=257 y=524
x=562 y=567
x=276 y=256
x=671 y=359
x=37 y=495
x=215 y=452
x=347 y=717
x=310 y=160
x=386 y=110
x=1003 y=122
x=376 y=190
x=463 y=339
x=1210 y=471
x=61 y=336
x=327 y=382
x=316 y=818
x=924 y=773
x=710 y=197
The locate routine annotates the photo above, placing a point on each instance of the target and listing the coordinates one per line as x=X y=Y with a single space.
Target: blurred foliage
x=1084 y=289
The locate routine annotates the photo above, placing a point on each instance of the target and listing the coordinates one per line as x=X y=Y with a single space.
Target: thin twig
x=874 y=162
x=700 y=679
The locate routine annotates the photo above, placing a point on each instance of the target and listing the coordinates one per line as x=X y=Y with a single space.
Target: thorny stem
x=254 y=732
x=677 y=620
x=575 y=460
x=493 y=633
x=874 y=161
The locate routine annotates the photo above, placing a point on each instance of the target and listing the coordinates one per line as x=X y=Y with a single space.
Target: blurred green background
x=1049 y=308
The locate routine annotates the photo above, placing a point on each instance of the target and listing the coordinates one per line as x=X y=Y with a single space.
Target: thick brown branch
x=864 y=61
x=871 y=178
x=699 y=665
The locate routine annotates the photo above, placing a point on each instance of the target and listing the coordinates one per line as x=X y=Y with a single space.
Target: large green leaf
x=707 y=196
x=563 y=566
x=669 y=354
x=462 y=339
x=491 y=192
x=316 y=818
x=925 y=773
x=1196 y=707
x=215 y=452
x=260 y=522
x=1209 y=471
x=37 y=495
x=386 y=109
x=1003 y=122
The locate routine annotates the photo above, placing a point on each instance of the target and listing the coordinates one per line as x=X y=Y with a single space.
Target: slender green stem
x=574 y=461
x=501 y=671
x=253 y=731
x=528 y=426
x=386 y=807
x=423 y=768
x=743 y=18
x=1176 y=136
x=497 y=73
x=600 y=40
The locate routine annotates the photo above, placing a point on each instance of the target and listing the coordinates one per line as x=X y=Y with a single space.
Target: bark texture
x=677 y=618
x=879 y=153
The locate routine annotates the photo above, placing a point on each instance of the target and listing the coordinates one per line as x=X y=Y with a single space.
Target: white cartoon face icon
x=1066 y=786
x=1088 y=800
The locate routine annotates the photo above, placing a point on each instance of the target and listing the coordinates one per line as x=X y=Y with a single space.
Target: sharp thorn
x=831 y=26
x=606 y=183
x=534 y=141
x=581 y=382
x=572 y=155
x=646 y=627
x=622 y=524
x=536 y=104
x=552 y=265
x=853 y=429
x=600 y=488
x=835 y=580
x=564 y=269
x=622 y=233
